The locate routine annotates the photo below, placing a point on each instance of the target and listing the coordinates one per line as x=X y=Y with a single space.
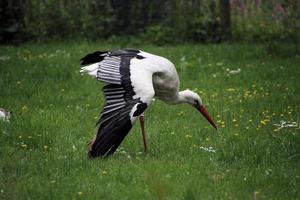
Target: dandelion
x=46 y=147
x=263 y=122
x=24 y=146
x=104 y=172
x=188 y=136
x=79 y=193
x=24 y=108
x=230 y=89
x=180 y=113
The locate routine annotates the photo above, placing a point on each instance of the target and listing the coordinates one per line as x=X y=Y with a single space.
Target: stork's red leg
x=143 y=132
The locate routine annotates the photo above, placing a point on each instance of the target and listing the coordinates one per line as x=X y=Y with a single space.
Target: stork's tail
x=91 y=62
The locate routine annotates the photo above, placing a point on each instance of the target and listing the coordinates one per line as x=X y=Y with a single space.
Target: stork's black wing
x=122 y=105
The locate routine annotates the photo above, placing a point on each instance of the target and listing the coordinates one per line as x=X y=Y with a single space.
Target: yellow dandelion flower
x=188 y=136
x=207 y=139
x=230 y=89
x=24 y=145
x=234 y=120
x=104 y=172
x=180 y=113
x=236 y=134
x=46 y=147
x=79 y=193
x=24 y=108
x=263 y=122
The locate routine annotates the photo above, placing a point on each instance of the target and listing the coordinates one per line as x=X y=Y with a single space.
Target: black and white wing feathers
x=122 y=105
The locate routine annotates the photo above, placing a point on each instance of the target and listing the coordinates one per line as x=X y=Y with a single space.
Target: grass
x=44 y=146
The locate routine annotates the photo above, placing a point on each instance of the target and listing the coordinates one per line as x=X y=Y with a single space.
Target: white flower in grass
x=286 y=124
x=4 y=58
x=208 y=149
x=235 y=71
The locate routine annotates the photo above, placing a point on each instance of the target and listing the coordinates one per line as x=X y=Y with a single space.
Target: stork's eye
x=196 y=102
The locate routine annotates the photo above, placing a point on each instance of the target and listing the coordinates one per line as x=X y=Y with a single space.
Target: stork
x=133 y=78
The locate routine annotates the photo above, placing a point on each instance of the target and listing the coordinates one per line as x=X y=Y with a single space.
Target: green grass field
x=44 y=146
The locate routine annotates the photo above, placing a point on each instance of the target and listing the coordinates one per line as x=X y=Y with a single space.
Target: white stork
x=133 y=78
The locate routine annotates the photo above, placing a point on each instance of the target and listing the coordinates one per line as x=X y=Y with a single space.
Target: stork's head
x=194 y=99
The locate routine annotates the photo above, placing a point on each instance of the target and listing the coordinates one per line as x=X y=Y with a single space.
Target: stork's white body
x=155 y=76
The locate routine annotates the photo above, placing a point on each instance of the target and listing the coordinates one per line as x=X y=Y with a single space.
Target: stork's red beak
x=206 y=115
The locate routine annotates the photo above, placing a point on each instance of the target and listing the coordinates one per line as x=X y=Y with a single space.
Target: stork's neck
x=181 y=97
x=185 y=96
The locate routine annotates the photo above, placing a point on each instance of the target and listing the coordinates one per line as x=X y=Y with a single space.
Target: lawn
x=252 y=93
